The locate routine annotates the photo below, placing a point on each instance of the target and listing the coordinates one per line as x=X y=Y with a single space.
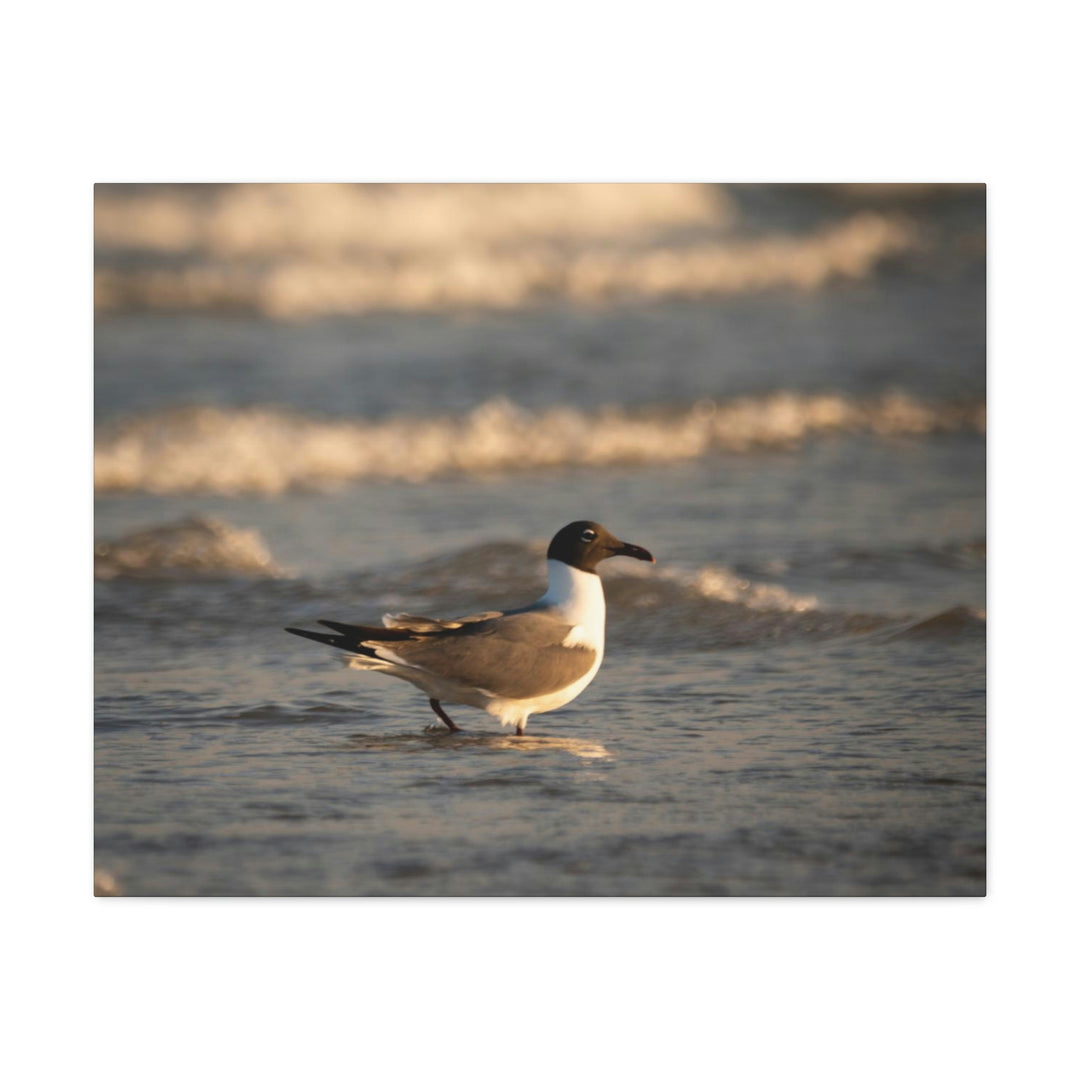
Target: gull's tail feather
x=350 y=638
x=338 y=641
x=366 y=633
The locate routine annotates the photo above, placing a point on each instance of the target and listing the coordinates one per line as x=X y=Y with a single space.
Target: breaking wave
x=268 y=450
x=332 y=220
x=194 y=547
x=477 y=278
x=710 y=583
x=715 y=607
x=683 y=607
x=293 y=251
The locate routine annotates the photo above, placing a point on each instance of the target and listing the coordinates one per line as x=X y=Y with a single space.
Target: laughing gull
x=511 y=664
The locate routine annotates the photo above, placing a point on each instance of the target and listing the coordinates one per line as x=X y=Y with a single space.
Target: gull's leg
x=442 y=716
x=520 y=729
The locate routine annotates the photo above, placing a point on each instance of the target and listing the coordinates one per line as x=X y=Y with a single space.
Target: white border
x=599 y=91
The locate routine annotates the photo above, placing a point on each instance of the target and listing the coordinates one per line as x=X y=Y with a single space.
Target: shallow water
x=746 y=735
x=793 y=699
x=803 y=770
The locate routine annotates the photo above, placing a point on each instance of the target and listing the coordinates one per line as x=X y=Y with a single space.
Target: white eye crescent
x=588 y=536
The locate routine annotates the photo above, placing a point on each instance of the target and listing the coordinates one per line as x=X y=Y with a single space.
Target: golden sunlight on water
x=298 y=251
x=268 y=449
x=439 y=739
x=579 y=748
x=239 y=220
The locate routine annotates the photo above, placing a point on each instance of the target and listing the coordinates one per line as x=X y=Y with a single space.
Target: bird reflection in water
x=438 y=738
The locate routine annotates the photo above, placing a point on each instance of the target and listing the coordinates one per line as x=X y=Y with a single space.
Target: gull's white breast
x=578 y=598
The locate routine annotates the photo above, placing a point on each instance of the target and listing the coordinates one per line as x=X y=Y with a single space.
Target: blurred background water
x=330 y=401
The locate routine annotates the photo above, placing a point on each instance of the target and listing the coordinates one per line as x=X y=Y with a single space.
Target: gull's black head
x=583 y=544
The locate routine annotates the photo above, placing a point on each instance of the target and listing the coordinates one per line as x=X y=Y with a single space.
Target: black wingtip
x=357 y=634
x=322 y=639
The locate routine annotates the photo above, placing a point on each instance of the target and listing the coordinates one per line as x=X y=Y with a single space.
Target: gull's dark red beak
x=634 y=552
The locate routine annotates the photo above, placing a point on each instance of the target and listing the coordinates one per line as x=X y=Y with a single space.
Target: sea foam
x=193 y=547
x=480 y=278
x=296 y=251
x=267 y=450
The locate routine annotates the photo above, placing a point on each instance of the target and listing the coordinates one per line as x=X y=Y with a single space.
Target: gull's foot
x=442 y=715
x=520 y=729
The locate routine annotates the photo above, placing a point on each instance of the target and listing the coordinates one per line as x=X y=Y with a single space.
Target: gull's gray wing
x=519 y=655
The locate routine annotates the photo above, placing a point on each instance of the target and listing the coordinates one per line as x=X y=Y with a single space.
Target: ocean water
x=780 y=392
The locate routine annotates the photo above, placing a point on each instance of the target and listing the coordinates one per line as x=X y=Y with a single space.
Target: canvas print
x=506 y=540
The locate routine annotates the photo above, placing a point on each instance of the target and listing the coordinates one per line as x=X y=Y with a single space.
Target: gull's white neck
x=579 y=598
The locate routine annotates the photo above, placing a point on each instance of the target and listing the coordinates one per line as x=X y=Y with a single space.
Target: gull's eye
x=588 y=536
